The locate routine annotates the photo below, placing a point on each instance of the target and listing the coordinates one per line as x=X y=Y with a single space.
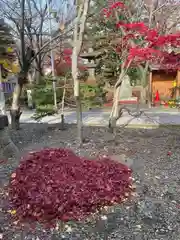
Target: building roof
x=91 y=55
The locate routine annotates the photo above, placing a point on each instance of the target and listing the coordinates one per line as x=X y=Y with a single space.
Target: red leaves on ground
x=3 y=161
x=169 y=153
x=56 y=184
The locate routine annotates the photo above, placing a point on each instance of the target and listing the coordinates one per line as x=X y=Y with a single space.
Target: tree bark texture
x=7 y=148
x=15 y=111
x=82 y=11
x=79 y=120
x=116 y=112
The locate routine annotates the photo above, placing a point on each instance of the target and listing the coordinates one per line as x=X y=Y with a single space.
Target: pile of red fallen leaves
x=56 y=184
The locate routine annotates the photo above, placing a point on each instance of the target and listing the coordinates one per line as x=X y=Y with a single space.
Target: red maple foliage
x=148 y=44
x=63 y=62
x=67 y=53
x=108 y=12
x=56 y=184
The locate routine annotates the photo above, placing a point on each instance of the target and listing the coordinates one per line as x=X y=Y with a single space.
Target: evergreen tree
x=6 y=42
x=6 y=52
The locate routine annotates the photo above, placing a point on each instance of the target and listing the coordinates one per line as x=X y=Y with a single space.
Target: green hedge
x=43 y=98
x=91 y=96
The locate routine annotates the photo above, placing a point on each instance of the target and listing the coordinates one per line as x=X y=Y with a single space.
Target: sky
x=64 y=9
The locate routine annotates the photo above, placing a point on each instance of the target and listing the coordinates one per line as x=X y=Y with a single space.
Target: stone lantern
x=92 y=58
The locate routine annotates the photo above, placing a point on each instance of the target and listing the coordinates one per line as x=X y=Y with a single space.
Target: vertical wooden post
x=178 y=82
x=2 y=96
x=150 y=90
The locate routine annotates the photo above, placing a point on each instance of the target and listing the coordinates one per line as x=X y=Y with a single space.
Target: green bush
x=134 y=75
x=43 y=98
x=91 y=96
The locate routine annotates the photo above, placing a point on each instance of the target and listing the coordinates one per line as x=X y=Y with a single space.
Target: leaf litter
x=156 y=210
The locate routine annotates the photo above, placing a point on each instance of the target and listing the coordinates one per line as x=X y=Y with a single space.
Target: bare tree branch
x=34 y=32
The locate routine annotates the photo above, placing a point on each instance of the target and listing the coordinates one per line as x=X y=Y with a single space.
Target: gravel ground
x=152 y=214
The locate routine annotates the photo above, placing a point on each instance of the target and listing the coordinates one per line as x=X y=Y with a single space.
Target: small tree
x=27 y=21
x=82 y=7
x=148 y=47
x=6 y=55
x=160 y=14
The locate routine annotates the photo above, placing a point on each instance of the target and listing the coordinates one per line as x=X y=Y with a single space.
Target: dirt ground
x=154 y=156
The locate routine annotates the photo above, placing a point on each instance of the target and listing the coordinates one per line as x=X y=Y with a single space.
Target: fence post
x=2 y=97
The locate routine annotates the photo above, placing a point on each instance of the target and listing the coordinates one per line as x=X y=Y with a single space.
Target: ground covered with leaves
x=152 y=214
x=54 y=184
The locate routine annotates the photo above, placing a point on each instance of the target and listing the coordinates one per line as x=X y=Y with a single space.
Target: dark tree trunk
x=15 y=108
x=7 y=148
x=15 y=119
x=62 y=125
x=39 y=75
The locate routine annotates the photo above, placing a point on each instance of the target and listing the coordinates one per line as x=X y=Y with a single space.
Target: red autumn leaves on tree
x=63 y=63
x=108 y=12
x=139 y=44
x=67 y=54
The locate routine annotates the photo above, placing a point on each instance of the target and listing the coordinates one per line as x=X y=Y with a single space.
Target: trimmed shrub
x=44 y=99
x=92 y=96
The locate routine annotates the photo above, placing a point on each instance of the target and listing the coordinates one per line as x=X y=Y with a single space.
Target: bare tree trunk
x=29 y=91
x=115 y=114
x=62 y=127
x=79 y=120
x=2 y=96
x=144 y=82
x=116 y=111
x=15 y=108
x=82 y=10
x=78 y=103
x=77 y=96
x=7 y=148
x=38 y=76
x=15 y=111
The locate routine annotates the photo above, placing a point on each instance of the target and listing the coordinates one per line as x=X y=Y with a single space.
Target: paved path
x=150 y=118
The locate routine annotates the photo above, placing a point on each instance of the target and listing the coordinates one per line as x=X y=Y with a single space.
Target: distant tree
x=82 y=7
x=6 y=58
x=136 y=44
x=29 y=25
x=162 y=15
x=6 y=40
